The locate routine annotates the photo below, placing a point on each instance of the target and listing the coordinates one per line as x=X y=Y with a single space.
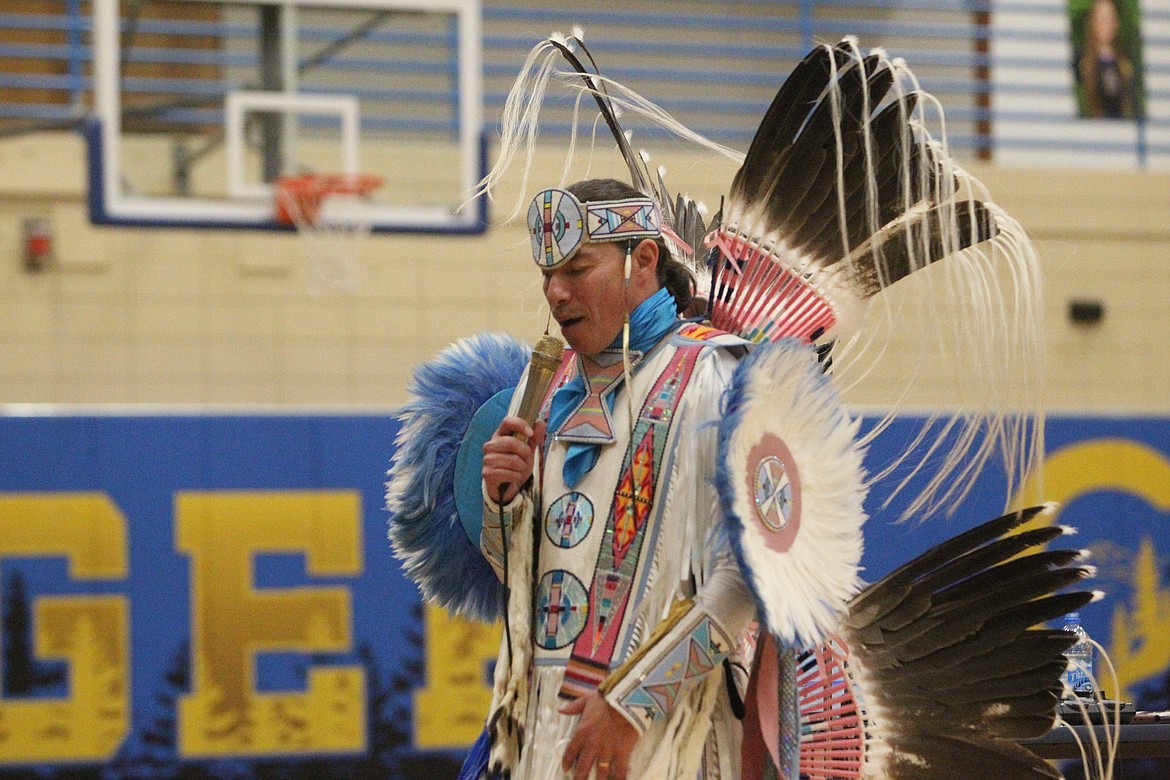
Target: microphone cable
x=507 y=581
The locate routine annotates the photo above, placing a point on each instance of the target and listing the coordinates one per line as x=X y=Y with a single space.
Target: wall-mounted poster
x=1107 y=58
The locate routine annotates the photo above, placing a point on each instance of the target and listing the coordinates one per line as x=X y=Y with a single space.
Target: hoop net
x=328 y=212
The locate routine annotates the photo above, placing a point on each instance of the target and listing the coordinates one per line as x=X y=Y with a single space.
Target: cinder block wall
x=159 y=316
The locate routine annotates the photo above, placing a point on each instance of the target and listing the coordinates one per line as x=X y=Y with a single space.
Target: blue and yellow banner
x=214 y=596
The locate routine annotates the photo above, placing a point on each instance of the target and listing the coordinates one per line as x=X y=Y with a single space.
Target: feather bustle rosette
x=843 y=193
x=791 y=486
x=425 y=530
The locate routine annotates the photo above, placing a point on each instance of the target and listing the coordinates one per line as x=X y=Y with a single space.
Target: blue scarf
x=652 y=320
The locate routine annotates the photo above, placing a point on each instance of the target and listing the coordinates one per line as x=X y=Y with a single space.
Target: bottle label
x=1078 y=679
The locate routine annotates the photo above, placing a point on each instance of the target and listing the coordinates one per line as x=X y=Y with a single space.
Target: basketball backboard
x=200 y=105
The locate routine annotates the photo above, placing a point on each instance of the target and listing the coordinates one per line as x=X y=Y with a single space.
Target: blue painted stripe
x=43 y=111
x=45 y=81
x=519 y=44
x=866 y=28
x=752 y=109
x=430 y=97
x=46 y=22
x=632 y=75
x=560 y=19
x=39 y=51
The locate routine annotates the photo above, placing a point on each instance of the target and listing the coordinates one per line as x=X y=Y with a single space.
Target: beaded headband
x=559 y=224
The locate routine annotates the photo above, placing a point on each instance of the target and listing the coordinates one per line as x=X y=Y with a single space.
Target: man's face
x=587 y=296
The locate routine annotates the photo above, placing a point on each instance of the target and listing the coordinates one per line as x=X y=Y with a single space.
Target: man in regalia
x=637 y=605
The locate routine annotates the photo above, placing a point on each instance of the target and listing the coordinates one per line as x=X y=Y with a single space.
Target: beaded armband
x=687 y=646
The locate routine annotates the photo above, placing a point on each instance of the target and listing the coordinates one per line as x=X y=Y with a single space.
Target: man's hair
x=672 y=274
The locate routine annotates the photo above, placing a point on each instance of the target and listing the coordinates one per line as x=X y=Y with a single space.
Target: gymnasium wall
x=212 y=595
x=228 y=317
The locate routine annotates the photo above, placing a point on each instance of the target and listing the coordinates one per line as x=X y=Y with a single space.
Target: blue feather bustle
x=425 y=529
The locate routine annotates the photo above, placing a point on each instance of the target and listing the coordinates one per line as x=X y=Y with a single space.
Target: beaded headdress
x=559 y=224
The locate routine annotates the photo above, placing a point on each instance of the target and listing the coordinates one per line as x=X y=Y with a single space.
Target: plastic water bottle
x=1080 y=657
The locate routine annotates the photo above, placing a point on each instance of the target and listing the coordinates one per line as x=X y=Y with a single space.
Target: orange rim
x=301 y=195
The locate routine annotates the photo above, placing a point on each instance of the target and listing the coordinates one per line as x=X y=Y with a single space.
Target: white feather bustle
x=804 y=590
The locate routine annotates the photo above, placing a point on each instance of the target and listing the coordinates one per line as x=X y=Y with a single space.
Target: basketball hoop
x=328 y=210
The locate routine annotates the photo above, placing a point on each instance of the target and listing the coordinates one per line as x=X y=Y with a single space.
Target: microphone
x=546 y=359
